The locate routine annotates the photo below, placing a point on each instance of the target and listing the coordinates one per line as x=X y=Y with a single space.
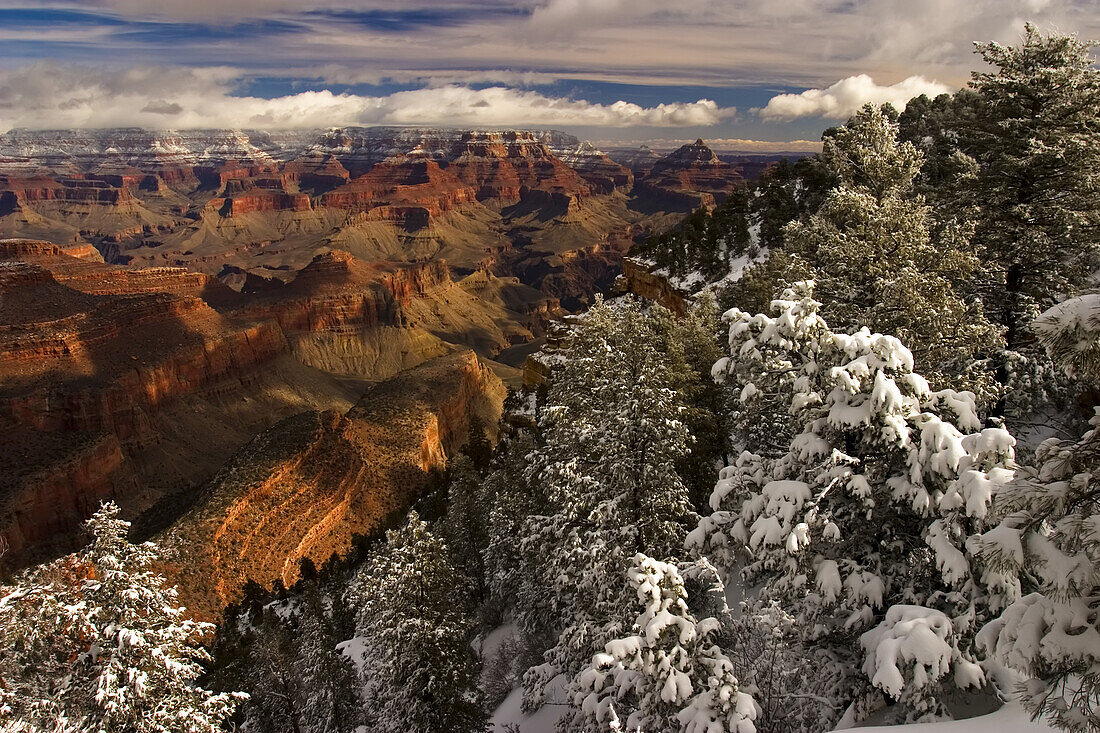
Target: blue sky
x=612 y=70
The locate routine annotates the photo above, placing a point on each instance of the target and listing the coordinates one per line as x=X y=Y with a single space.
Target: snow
x=1009 y=719
x=543 y=720
x=911 y=637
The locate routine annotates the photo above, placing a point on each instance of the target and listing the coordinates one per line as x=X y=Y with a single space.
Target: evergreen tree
x=275 y=686
x=96 y=642
x=466 y=526
x=1036 y=139
x=415 y=623
x=1046 y=549
x=330 y=691
x=669 y=675
x=1048 y=544
x=608 y=467
x=875 y=498
x=478 y=448
x=788 y=192
x=508 y=569
x=870 y=252
x=692 y=348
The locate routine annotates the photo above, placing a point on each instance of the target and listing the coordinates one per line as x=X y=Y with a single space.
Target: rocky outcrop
x=639 y=278
x=345 y=316
x=506 y=165
x=305 y=487
x=401 y=186
x=603 y=175
x=83 y=270
x=72 y=362
x=52 y=484
x=20 y=191
x=260 y=201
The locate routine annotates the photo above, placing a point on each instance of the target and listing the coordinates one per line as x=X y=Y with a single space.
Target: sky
x=742 y=74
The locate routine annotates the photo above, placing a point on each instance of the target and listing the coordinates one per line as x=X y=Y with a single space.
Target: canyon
x=259 y=344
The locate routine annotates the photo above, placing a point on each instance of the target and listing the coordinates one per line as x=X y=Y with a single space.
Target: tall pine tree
x=414 y=620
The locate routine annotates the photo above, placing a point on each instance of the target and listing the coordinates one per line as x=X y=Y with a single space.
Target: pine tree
x=692 y=348
x=466 y=525
x=513 y=500
x=608 y=467
x=873 y=502
x=96 y=641
x=275 y=691
x=478 y=448
x=669 y=675
x=1036 y=139
x=415 y=623
x=330 y=691
x=870 y=251
x=1046 y=549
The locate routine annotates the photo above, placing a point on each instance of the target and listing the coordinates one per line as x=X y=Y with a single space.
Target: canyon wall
x=306 y=486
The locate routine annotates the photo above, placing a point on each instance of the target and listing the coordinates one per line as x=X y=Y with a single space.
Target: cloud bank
x=843 y=99
x=49 y=96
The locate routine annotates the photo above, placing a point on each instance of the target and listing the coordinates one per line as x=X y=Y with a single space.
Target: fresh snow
x=1009 y=719
x=543 y=720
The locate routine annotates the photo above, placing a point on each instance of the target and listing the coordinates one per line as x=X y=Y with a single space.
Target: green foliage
x=870 y=252
x=414 y=620
x=1036 y=139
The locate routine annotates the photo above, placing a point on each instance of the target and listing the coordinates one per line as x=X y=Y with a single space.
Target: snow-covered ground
x=509 y=713
x=1009 y=719
x=542 y=720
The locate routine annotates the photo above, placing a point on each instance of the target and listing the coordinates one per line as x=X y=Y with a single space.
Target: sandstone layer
x=306 y=486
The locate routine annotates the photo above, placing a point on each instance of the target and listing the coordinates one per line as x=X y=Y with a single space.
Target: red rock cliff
x=307 y=485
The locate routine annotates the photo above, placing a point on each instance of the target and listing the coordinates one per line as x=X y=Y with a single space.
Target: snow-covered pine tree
x=1047 y=548
x=275 y=686
x=330 y=691
x=1036 y=138
x=668 y=675
x=466 y=525
x=872 y=503
x=608 y=467
x=415 y=625
x=96 y=642
x=508 y=569
x=871 y=254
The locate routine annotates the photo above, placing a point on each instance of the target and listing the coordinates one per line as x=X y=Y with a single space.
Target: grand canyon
x=187 y=317
x=444 y=366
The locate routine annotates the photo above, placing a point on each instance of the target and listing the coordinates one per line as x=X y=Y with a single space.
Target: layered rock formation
x=244 y=203
x=167 y=371
x=689 y=177
x=306 y=486
x=640 y=279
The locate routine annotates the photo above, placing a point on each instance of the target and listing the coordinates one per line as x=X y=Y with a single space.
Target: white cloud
x=844 y=98
x=50 y=96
